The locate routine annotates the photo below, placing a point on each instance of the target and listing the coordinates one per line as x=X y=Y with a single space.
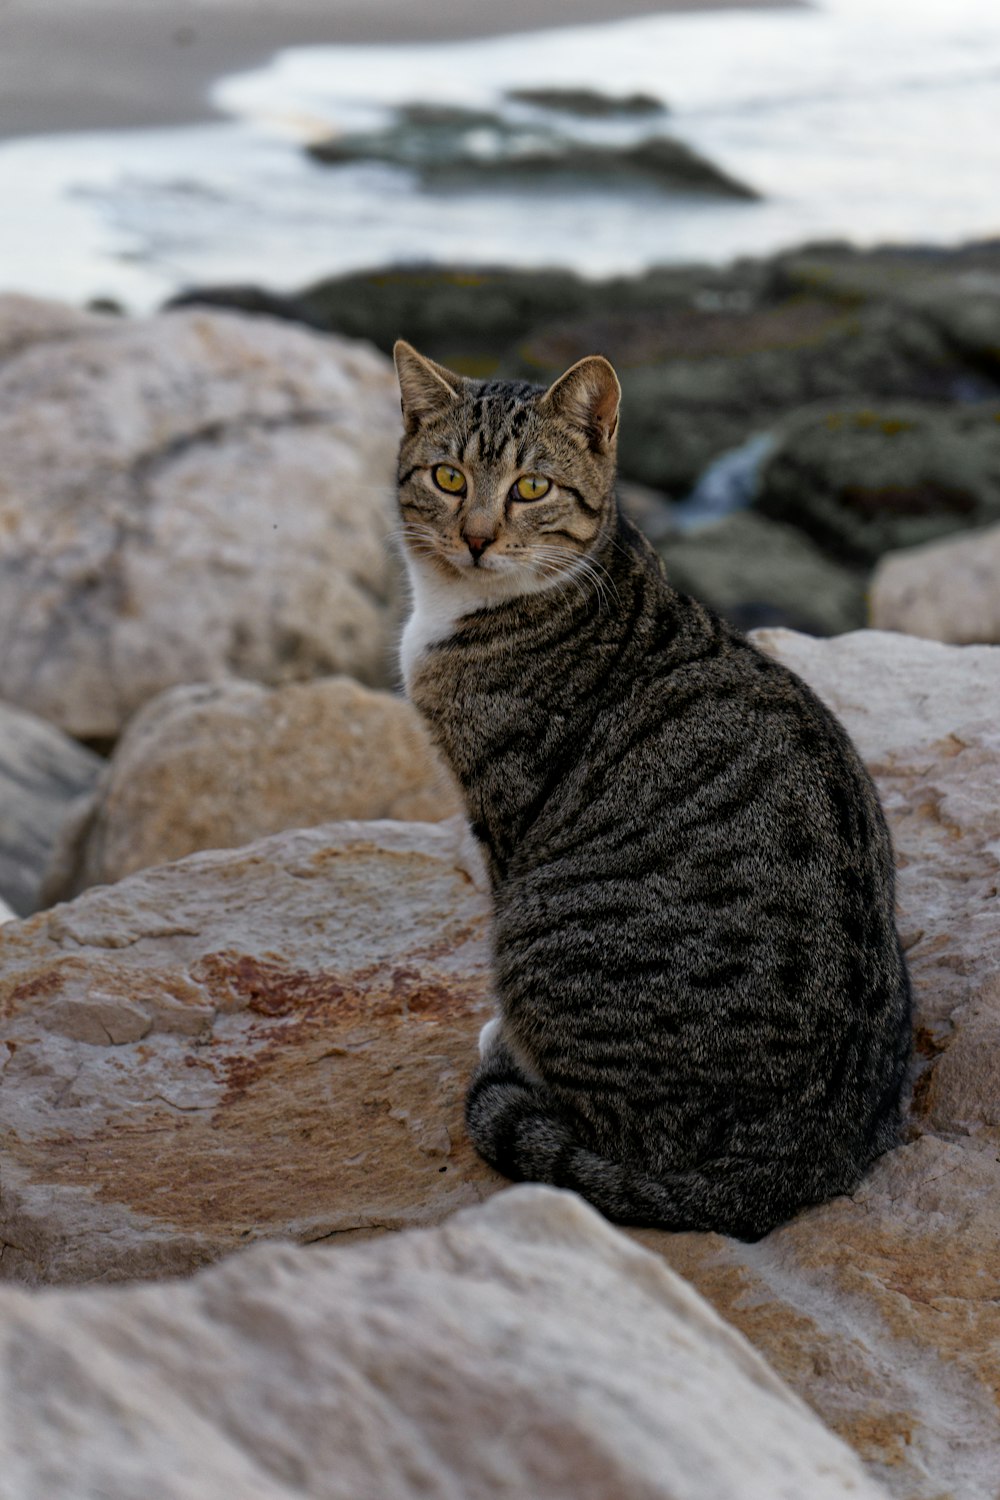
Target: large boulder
x=189 y=497
x=948 y=591
x=866 y=479
x=269 y=1041
x=214 y=767
x=42 y=774
x=525 y=1348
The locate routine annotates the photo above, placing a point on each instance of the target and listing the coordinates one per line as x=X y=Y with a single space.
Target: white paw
x=489 y=1035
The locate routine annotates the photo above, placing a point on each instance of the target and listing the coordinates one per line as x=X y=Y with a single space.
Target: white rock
x=196 y=496
x=947 y=591
x=522 y=1349
x=215 y=767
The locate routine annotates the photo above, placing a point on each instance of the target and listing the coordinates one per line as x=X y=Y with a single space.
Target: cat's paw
x=489 y=1035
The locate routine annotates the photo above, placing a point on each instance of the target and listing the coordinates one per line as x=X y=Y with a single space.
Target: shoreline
x=125 y=64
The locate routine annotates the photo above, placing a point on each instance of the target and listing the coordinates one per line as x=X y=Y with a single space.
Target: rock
x=883 y=1310
x=588 y=103
x=192 y=497
x=747 y=566
x=42 y=772
x=699 y=381
x=264 y=1042
x=648 y=509
x=448 y=145
x=708 y=357
x=863 y=480
x=948 y=591
x=217 y=767
x=33 y=320
x=525 y=1348
x=956 y=290
x=6 y=915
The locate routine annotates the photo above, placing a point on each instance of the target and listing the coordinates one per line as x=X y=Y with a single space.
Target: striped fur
x=705 y=1013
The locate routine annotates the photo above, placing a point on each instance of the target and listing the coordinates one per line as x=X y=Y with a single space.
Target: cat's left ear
x=424 y=387
x=588 y=396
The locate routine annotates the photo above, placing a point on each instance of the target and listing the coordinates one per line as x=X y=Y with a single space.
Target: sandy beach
x=77 y=65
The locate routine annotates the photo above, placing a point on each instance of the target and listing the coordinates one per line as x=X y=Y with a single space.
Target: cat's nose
x=477 y=545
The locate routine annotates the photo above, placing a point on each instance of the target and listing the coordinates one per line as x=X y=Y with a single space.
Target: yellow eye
x=449 y=479
x=532 y=487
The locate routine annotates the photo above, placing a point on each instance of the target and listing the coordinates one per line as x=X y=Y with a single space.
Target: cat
x=704 y=1010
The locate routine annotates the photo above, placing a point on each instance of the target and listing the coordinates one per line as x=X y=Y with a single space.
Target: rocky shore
x=848 y=400
x=244 y=946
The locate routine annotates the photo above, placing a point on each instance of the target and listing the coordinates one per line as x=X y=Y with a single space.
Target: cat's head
x=505 y=485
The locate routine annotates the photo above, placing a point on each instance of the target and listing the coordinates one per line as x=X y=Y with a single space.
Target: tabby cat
x=704 y=1010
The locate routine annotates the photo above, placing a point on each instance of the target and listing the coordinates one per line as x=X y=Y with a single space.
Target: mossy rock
x=759 y=572
x=862 y=480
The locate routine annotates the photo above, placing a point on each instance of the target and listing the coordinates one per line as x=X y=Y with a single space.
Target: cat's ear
x=424 y=387
x=588 y=396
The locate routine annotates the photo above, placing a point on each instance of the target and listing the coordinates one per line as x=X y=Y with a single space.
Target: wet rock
x=866 y=479
x=270 y=1041
x=754 y=571
x=217 y=767
x=524 y=1348
x=42 y=774
x=883 y=1309
x=588 y=103
x=448 y=145
x=191 y=497
x=947 y=591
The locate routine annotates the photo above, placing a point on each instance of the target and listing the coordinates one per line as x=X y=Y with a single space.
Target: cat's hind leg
x=516 y=1124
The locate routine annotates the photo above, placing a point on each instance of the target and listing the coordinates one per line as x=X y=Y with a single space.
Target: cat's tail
x=514 y=1125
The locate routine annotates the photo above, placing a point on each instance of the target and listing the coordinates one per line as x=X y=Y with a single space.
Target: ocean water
x=868 y=120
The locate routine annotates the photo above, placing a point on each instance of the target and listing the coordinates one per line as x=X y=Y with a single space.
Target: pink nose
x=477 y=545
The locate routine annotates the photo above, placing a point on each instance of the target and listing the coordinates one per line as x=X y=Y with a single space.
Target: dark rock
x=648 y=509
x=465 y=317
x=697 y=383
x=758 y=572
x=589 y=103
x=709 y=357
x=863 y=480
x=248 y=299
x=450 y=146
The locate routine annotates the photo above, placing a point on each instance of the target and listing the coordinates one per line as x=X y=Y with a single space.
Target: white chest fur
x=437 y=606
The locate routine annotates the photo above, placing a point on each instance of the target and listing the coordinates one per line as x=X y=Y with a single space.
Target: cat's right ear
x=588 y=396
x=424 y=387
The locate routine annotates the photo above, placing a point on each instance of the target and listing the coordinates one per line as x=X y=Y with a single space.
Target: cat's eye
x=531 y=487
x=449 y=479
